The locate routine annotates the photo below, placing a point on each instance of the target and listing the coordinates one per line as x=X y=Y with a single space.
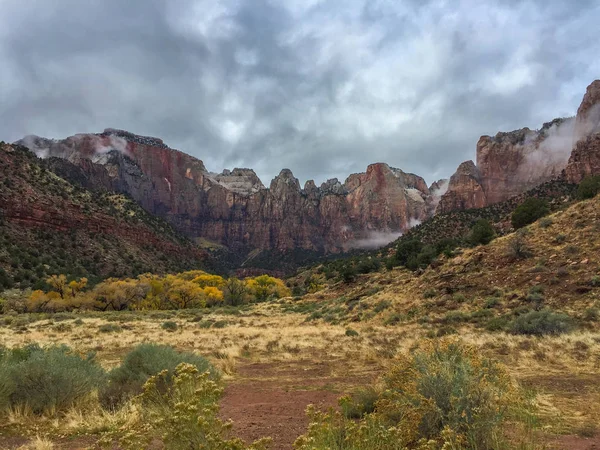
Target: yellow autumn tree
x=213 y=296
x=207 y=279
x=264 y=287
x=58 y=283
x=183 y=294
x=117 y=295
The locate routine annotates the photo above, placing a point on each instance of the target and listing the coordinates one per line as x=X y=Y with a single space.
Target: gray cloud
x=322 y=87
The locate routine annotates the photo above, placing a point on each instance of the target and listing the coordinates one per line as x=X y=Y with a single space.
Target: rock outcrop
x=464 y=189
x=509 y=164
x=234 y=208
x=585 y=158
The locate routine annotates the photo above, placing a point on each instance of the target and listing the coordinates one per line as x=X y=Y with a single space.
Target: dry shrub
x=443 y=395
x=181 y=411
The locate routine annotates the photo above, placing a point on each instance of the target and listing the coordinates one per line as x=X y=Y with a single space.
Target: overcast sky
x=321 y=87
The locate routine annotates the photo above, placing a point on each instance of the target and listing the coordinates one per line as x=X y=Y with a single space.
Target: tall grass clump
x=143 y=362
x=443 y=395
x=46 y=380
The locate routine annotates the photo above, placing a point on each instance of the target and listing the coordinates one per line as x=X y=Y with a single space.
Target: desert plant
x=47 y=380
x=443 y=395
x=109 y=328
x=589 y=187
x=169 y=326
x=529 y=211
x=539 y=323
x=141 y=363
x=481 y=233
x=546 y=222
x=517 y=246
x=180 y=409
x=360 y=402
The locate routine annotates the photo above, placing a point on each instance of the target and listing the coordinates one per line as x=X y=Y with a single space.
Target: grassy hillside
x=49 y=226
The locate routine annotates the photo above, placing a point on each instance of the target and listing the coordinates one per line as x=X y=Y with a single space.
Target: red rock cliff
x=509 y=164
x=234 y=208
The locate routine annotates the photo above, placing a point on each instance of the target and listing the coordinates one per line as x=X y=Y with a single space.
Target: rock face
x=509 y=164
x=464 y=189
x=585 y=159
x=234 y=208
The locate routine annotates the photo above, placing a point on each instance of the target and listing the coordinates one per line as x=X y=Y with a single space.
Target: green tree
x=529 y=211
x=589 y=187
x=481 y=233
x=408 y=251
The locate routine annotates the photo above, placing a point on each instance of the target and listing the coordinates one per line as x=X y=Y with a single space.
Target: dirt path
x=271 y=399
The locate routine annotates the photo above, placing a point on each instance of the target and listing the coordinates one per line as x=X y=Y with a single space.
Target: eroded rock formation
x=234 y=208
x=509 y=164
x=585 y=159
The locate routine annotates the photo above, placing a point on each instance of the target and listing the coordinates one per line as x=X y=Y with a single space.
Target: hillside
x=50 y=226
x=552 y=263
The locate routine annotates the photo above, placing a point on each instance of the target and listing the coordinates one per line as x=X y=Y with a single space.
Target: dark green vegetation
x=529 y=211
x=589 y=188
x=50 y=226
x=140 y=364
x=45 y=380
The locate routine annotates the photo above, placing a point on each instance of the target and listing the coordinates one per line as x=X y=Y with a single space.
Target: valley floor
x=277 y=362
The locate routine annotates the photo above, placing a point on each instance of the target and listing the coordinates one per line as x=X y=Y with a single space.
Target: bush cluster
x=46 y=380
x=140 y=364
x=445 y=395
x=529 y=211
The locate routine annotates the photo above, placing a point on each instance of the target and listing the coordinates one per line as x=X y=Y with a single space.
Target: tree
x=235 y=292
x=264 y=287
x=529 y=211
x=589 y=187
x=58 y=283
x=481 y=233
x=117 y=295
x=185 y=294
x=408 y=251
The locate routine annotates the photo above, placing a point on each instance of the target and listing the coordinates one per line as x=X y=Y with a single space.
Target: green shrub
x=47 y=380
x=169 y=326
x=539 y=323
x=444 y=393
x=109 y=328
x=481 y=233
x=529 y=211
x=408 y=251
x=497 y=324
x=141 y=363
x=429 y=293
x=589 y=187
x=491 y=302
x=180 y=410
x=546 y=222
x=351 y=333
x=360 y=402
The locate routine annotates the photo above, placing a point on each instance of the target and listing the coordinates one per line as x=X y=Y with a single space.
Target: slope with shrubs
x=50 y=226
x=542 y=279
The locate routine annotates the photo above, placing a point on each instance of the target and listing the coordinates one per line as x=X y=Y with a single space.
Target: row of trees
x=193 y=289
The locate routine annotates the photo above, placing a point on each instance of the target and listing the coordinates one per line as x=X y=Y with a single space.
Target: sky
x=321 y=87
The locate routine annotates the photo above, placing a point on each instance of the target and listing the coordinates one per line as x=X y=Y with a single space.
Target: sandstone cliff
x=234 y=208
x=509 y=164
x=585 y=159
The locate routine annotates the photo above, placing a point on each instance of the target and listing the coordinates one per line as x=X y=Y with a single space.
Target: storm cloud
x=321 y=87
